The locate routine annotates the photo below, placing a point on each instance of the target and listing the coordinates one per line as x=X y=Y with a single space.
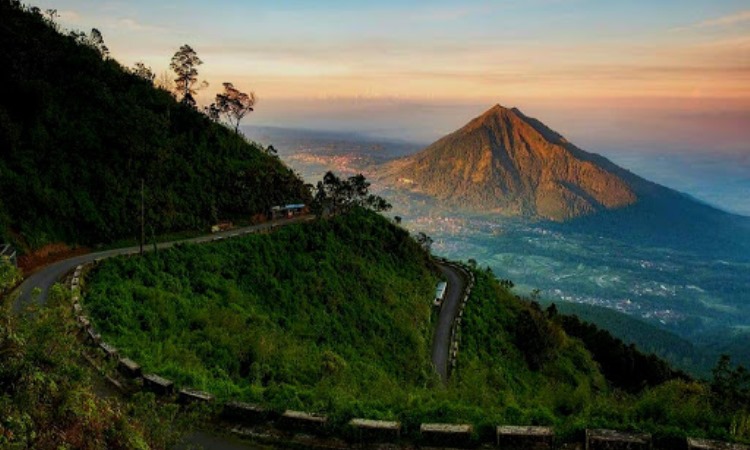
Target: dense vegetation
x=509 y=343
x=318 y=315
x=622 y=364
x=78 y=132
x=9 y=275
x=47 y=394
x=646 y=337
x=334 y=316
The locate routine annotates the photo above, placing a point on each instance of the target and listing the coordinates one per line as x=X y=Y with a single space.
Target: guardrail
x=456 y=326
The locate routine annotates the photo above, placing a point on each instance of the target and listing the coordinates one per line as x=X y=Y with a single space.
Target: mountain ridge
x=506 y=162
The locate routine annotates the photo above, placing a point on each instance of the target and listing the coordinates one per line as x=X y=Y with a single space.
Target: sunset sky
x=326 y=63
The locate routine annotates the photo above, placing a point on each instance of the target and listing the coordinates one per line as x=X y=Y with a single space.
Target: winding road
x=48 y=276
x=44 y=278
x=441 y=341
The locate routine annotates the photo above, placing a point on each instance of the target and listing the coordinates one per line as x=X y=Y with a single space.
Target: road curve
x=441 y=342
x=46 y=277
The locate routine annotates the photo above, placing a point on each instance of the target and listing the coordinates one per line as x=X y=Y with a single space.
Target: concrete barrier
x=515 y=437
x=617 y=440
x=303 y=421
x=187 y=396
x=109 y=351
x=129 y=367
x=83 y=322
x=376 y=430
x=446 y=435
x=705 y=444
x=93 y=337
x=158 y=385
x=245 y=413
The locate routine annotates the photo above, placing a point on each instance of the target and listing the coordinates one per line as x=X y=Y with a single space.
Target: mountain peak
x=497 y=110
x=505 y=161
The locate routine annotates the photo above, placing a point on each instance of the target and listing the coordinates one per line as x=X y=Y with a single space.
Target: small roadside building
x=8 y=252
x=287 y=211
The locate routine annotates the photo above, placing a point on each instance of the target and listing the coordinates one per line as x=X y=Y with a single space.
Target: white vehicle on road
x=440 y=293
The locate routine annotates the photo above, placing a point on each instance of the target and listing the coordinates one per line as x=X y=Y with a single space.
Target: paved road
x=46 y=277
x=441 y=341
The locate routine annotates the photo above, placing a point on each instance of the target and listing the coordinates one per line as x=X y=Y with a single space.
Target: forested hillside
x=78 y=133
x=334 y=316
x=528 y=365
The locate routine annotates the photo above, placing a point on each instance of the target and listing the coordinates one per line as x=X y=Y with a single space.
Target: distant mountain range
x=504 y=162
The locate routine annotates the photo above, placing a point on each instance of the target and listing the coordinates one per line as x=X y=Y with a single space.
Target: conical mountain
x=506 y=162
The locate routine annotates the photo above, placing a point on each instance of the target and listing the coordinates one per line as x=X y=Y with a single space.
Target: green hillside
x=78 y=132
x=331 y=314
x=648 y=338
x=334 y=316
x=50 y=398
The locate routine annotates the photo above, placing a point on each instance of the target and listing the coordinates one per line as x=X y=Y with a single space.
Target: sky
x=640 y=76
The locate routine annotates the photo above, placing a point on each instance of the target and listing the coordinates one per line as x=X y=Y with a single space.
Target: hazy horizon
x=310 y=63
x=624 y=79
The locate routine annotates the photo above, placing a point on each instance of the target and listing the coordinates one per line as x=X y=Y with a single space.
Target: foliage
x=311 y=315
x=647 y=337
x=536 y=337
x=424 y=241
x=47 y=397
x=143 y=71
x=10 y=275
x=184 y=64
x=561 y=383
x=731 y=388
x=233 y=105
x=623 y=365
x=334 y=316
x=93 y=40
x=336 y=196
x=77 y=134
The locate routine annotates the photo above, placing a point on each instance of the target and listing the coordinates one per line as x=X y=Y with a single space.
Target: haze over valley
x=694 y=292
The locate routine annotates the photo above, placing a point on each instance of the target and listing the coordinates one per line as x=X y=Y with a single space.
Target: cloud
x=731 y=19
x=723 y=21
x=133 y=25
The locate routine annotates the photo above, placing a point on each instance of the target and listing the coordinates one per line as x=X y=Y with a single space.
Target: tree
x=536 y=337
x=143 y=71
x=184 y=64
x=93 y=40
x=234 y=104
x=334 y=196
x=731 y=385
x=51 y=16
x=424 y=241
